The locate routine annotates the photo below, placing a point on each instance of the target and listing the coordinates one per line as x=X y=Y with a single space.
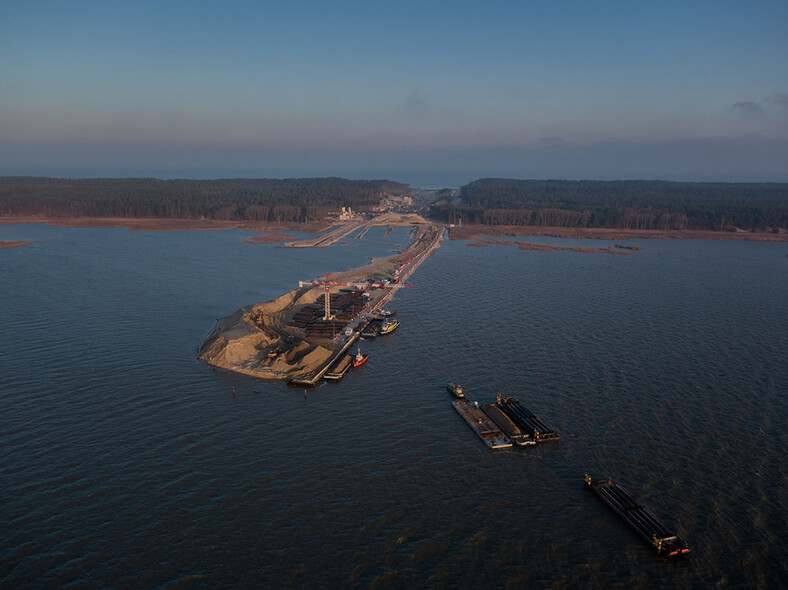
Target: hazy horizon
x=431 y=94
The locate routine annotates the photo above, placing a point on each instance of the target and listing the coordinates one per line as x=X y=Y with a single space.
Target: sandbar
x=547 y=248
x=14 y=244
x=468 y=232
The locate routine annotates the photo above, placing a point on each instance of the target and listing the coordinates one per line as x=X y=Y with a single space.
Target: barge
x=648 y=526
x=507 y=426
x=487 y=430
x=371 y=330
x=526 y=420
x=338 y=371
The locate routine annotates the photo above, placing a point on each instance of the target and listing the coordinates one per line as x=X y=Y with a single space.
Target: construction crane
x=327 y=316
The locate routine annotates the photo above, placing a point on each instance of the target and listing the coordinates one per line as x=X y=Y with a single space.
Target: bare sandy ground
x=467 y=232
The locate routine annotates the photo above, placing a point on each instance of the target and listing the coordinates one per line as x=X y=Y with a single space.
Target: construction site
x=302 y=334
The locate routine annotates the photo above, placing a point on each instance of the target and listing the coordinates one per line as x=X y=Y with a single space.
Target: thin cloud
x=749 y=107
x=552 y=141
x=780 y=99
x=415 y=102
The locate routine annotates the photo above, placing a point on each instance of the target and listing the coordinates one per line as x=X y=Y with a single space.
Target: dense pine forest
x=626 y=204
x=279 y=200
x=631 y=204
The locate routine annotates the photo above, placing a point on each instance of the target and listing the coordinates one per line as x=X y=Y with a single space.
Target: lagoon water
x=126 y=462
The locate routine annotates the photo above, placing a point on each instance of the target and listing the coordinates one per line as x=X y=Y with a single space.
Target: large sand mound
x=265 y=348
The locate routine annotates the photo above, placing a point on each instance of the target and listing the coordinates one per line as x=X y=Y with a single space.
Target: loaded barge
x=502 y=424
x=507 y=426
x=481 y=424
x=525 y=419
x=648 y=526
x=338 y=370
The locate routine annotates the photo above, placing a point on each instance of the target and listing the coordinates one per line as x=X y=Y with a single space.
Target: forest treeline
x=276 y=200
x=625 y=204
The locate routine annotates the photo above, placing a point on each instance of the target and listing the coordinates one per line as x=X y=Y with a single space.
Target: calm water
x=128 y=463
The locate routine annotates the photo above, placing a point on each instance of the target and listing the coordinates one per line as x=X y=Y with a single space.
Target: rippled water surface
x=126 y=462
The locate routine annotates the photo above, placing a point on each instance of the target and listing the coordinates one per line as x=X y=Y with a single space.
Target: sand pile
x=256 y=340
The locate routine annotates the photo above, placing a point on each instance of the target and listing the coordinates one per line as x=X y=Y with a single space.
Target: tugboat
x=359 y=359
x=388 y=326
x=456 y=390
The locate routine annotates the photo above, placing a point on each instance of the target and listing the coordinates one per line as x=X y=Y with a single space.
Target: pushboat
x=456 y=390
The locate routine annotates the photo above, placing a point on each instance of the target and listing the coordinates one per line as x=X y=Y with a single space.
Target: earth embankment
x=262 y=341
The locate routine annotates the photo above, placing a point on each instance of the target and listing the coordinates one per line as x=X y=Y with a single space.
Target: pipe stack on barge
x=648 y=526
x=507 y=426
x=506 y=419
x=525 y=419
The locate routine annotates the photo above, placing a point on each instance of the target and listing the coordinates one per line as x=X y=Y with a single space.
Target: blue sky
x=434 y=93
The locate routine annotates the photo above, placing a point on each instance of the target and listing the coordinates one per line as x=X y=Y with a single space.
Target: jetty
x=300 y=335
x=649 y=527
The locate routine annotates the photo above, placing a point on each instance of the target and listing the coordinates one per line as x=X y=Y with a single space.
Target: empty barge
x=525 y=419
x=481 y=424
x=648 y=526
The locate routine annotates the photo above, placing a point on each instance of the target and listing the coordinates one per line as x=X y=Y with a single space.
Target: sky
x=433 y=93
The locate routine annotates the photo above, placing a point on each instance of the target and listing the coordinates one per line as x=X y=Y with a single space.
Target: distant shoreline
x=274 y=232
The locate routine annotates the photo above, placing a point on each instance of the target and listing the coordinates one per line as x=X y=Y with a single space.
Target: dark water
x=128 y=463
